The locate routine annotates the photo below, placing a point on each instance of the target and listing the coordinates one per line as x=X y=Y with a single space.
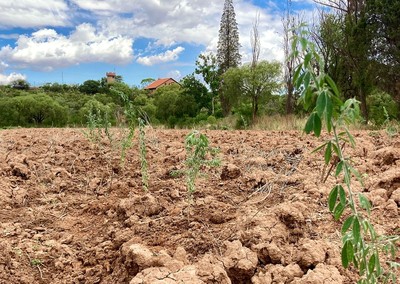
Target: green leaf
x=347 y=224
x=342 y=195
x=347 y=254
x=339 y=168
x=364 y=202
x=306 y=80
x=351 y=138
x=307 y=59
x=357 y=175
x=308 y=98
x=370 y=229
x=317 y=125
x=337 y=213
x=371 y=263
x=297 y=74
x=328 y=153
x=310 y=124
x=335 y=148
x=328 y=113
x=303 y=42
x=319 y=148
x=356 y=230
x=332 y=198
x=347 y=176
x=332 y=85
x=321 y=104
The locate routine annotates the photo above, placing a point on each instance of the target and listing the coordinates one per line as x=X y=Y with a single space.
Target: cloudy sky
x=70 y=41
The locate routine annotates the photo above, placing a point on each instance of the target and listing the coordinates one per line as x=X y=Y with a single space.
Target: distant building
x=160 y=83
x=110 y=77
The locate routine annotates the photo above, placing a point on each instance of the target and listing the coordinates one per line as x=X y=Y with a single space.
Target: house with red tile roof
x=160 y=83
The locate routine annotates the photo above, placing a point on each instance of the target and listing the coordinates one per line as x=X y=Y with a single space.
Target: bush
x=376 y=102
x=33 y=110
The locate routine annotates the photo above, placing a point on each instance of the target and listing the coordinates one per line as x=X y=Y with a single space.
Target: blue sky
x=70 y=41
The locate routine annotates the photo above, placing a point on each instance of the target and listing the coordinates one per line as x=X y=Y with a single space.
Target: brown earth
x=70 y=213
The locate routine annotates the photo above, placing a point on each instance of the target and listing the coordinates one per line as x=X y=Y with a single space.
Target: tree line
x=358 y=41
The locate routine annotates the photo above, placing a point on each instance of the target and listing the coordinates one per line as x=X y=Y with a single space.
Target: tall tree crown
x=228 y=42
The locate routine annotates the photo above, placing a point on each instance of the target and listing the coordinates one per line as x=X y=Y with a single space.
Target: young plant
x=143 y=152
x=98 y=125
x=362 y=246
x=130 y=115
x=197 y=148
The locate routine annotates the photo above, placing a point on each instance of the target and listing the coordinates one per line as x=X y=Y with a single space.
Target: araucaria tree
x=228 y=46
x=228 y=42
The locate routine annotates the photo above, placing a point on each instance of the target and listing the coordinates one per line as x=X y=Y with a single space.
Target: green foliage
x=362 y=246
x=376 y=102
x=165 y=99
x=207 y=66
x=130 y=112
x=31 y=110
x=252 y=84
x=118 y=87
x=197 y=148
x=90 y=87
x=97 y=116
x=20 y=84
x=193 y=88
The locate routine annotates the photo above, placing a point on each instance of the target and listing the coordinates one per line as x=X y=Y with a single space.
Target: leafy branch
x=362 y=246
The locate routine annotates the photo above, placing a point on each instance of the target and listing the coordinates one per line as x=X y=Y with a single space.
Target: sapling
x=143 y=152
x=130 y=115
x=97 y=123
x=362 y=246
x=197 y=148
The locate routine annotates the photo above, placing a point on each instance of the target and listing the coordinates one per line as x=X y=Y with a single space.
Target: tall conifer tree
x=228 y=42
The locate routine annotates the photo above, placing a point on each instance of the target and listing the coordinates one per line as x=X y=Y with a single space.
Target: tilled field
x=71 y=213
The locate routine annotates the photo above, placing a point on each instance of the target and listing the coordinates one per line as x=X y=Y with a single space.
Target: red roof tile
x=158 y=83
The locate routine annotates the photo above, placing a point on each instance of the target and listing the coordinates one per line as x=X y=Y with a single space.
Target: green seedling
x=197 y=148
x=143 y=153
x=98 y=125
x=362 y=246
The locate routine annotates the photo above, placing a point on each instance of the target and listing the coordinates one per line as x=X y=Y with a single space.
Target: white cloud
x=175 y=74
x=120 y=22
x=33 y=13
x=7 y=79
x=196 y=22
x=169 y=55
x=3 y=66
x=46 y=49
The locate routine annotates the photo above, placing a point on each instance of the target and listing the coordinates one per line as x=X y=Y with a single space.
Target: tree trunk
x=289 y=98
x=255 y=108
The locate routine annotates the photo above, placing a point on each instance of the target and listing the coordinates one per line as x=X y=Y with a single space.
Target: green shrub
x=376 y=102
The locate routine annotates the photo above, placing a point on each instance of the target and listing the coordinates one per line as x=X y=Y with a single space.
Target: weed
x=197 y=148
x=362 y=246
x=36 y=262
x=390 y=126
